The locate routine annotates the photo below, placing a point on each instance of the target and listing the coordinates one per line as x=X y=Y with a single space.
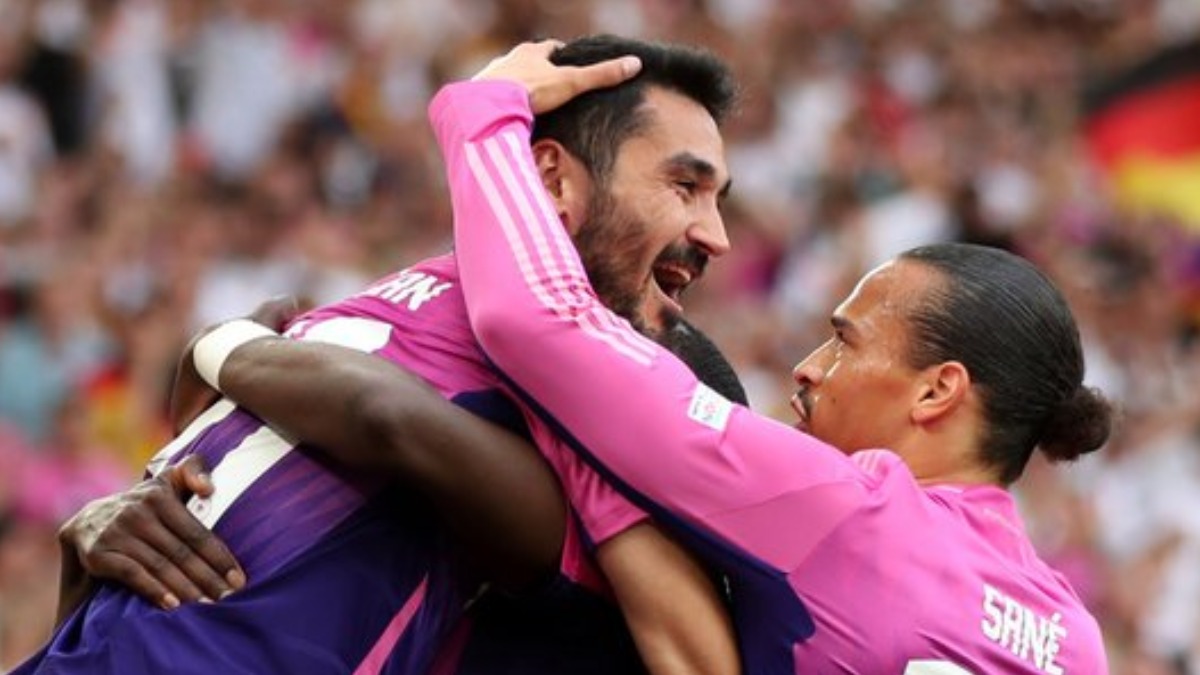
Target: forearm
x=537 y=318
x=495 y=493
x=330 y=397
x=674 y=612
x=617 y=392
x=191 y=394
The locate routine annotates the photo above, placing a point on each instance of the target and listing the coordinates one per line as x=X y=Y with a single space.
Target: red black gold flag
x=1143 y=127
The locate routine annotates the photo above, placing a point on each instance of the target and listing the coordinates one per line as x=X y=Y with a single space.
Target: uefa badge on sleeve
x=709 y=408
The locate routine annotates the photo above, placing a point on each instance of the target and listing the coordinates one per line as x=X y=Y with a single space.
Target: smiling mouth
x=673 y=279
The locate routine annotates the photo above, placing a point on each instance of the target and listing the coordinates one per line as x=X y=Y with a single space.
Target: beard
x=611 y=245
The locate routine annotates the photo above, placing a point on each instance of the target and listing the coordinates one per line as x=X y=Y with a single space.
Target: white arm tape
x=212 y=349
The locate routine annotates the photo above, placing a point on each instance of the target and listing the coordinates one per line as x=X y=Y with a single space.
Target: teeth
x=672 y=279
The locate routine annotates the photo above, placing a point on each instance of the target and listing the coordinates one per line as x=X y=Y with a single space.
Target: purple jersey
x=345 y=575
x=836 y=563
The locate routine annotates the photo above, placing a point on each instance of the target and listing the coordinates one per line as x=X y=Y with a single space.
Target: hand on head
x=550 y=86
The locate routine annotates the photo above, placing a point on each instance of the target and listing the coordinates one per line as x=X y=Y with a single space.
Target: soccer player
x=875 y=537
x=344 y=572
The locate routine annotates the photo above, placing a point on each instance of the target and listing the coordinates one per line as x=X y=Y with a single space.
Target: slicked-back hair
x=1000 y=317
x=593 y=126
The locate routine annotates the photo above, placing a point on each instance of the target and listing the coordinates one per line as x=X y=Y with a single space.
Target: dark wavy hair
x=593 y=126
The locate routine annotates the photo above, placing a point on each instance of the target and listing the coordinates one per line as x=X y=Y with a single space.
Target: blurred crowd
x=168 y=163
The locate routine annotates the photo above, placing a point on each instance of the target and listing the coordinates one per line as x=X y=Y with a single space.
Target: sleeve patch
x=709 y=408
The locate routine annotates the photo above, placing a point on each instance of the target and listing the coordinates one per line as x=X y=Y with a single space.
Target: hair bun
x=1080 y=424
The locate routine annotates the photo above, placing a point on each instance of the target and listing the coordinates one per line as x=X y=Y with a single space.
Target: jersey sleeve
x=628 y=406
x=602 y=512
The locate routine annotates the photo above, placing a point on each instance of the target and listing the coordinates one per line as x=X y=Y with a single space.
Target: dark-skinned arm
x=497 y=495
x=392 y=420
x=146 y=539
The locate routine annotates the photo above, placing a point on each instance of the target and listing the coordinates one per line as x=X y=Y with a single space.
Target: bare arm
x=190 y=395
x=677 y=618
x=496 y=493
x=499 y=493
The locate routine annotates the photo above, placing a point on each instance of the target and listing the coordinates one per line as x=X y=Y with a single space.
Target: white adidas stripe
x=240 y=468
x=513 y=230
x=555 y=261
x=215 y=413
x=549 y=227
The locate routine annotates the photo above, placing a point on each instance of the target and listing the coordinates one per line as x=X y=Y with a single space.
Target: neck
x=969 y=476
x=946 y=459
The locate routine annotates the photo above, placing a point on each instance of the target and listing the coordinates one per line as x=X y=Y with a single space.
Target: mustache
x=684 y=255
x=805 y=402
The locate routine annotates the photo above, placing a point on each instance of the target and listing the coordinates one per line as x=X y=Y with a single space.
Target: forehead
x=885 y=296
x=676 y=126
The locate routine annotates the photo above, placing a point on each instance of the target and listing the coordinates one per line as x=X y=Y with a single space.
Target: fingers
x=144 y=571
x=276 y=312
x=549 y=85
x=606 y=73
x=540 y=49
x=190 y=477
x=190 y=547
x=147 y=540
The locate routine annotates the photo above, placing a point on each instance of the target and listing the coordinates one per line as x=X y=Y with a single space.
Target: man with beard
x=345 y=572
x=879 y=534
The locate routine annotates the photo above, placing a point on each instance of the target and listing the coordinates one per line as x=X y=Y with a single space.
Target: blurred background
x=168 y=163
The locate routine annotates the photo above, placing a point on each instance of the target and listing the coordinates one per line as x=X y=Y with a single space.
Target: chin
x=657 y=318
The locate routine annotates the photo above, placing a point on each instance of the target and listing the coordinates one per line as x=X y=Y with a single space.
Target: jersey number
x=934 y=668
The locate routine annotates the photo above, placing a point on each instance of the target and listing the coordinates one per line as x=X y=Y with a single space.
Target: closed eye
x=688 y=187
x=841 y=330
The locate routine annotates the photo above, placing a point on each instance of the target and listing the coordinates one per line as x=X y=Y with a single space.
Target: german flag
x=1143 y=127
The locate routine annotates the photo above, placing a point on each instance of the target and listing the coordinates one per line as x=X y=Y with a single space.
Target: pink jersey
x=836 y=563
x=345 y=575
x=417 y=318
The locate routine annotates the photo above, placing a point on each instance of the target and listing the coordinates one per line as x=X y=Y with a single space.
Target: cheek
x=663 y=211
x=844 y=392
x=649 y=230
x=867 y=397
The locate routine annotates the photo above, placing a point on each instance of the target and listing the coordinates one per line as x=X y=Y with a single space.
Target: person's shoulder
x=886 y=476
x=429 y=285
x=879 y=463
x=444 y=266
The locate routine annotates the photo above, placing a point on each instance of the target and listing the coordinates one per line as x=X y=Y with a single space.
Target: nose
x=809 y=372
x=709 y=233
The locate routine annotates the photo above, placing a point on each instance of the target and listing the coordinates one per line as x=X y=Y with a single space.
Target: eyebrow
x=841 y=323
x=701 y=167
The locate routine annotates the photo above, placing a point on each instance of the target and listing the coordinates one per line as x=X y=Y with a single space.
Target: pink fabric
x=896 y=577
x=379 y=653
x=435 y=342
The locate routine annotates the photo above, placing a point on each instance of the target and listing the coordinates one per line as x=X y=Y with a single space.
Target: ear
x=565 y=179
x=942 y=390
